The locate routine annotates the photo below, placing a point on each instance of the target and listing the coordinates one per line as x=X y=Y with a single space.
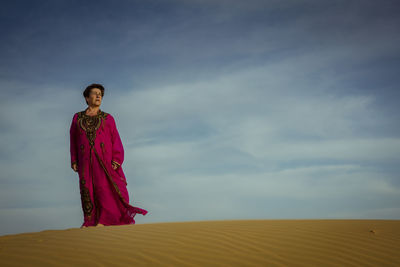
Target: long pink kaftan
x=94 y=144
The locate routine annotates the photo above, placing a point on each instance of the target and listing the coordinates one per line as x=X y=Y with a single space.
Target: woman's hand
x=115 y=166
x=75 y=167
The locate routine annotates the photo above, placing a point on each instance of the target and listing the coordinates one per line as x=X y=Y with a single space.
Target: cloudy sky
x=226 y=109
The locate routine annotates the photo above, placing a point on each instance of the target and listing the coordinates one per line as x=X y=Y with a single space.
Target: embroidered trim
x=111 y=179
x=83 y=174
x=90 y=124
x=87 y=204
x=103 y=149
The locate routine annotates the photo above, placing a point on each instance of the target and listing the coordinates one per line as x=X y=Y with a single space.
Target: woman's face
x=94 y=98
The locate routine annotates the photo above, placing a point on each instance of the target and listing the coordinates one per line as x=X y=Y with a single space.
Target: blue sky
x=226 y=109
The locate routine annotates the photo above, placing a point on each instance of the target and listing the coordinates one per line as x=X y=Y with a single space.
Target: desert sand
x=325 y=242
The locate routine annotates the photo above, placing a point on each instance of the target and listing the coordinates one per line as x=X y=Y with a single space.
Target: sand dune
x=211 y=243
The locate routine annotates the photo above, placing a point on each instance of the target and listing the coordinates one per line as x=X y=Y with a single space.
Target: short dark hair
x=86 y=93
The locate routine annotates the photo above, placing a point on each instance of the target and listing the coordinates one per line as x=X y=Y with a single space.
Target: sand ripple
x=211 y=243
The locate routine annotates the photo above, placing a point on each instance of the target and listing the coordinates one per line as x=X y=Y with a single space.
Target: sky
x=226 y=109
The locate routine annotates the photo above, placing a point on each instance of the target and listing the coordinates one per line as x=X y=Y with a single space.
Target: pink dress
x=94 y=144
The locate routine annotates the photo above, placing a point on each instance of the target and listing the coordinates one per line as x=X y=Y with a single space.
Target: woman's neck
x=92 y=110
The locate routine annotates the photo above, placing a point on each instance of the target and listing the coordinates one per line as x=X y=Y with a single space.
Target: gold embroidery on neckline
x=90 y=124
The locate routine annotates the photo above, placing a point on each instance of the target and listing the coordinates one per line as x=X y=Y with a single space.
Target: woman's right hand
x=75 y=167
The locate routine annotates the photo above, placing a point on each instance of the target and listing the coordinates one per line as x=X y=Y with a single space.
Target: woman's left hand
x=115 y=166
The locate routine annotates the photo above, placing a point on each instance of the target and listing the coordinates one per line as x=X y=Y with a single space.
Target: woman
x=97 y=155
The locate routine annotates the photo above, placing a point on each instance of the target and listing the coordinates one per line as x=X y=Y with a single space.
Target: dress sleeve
x=117 y=147
x=73 y=141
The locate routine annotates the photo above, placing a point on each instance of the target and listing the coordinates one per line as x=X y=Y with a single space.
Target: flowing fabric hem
x=130 y=211
x=127 y=218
